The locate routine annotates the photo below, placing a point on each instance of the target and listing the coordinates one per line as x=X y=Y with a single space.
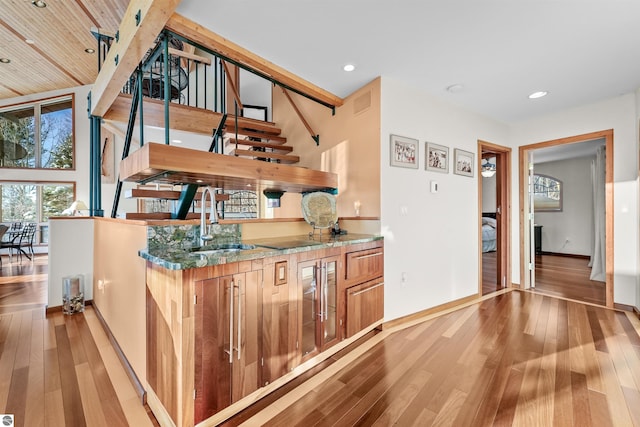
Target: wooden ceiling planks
x=61 y=32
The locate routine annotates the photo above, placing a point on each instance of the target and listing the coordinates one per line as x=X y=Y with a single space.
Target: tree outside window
x=38 y=135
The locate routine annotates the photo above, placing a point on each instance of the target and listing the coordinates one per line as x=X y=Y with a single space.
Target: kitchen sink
x=221 y=249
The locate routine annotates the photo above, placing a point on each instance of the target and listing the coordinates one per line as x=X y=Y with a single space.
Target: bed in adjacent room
x=489 y=234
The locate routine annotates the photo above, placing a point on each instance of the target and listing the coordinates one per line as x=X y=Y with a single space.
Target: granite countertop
x=173 y=259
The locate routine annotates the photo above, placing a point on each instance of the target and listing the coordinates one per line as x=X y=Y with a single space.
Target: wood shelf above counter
x=162 y=163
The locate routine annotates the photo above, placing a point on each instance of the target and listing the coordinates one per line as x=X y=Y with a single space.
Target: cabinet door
x=246 y=318
x=318 y=289
x=328 y=302
x=308 y=309
x=212 y=346
x=278 y=315
x=365 y=305
x=364 y=265
x=226 y=341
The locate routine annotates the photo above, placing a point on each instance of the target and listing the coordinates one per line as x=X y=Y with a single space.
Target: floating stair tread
x=244 y=132
x=260 y=144
x=183 y=117
x=252 y=125
x=169 y=164
x=284 y=158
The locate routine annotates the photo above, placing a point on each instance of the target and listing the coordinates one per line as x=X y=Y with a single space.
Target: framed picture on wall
x=436 y=157
x=404 y=152
x=463 y=162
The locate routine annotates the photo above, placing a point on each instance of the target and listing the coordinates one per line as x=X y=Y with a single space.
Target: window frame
x=37 y=117
x=40 y=183
x=557 y=207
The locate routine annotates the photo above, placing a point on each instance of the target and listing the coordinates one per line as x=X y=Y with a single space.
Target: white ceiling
x=581 y=51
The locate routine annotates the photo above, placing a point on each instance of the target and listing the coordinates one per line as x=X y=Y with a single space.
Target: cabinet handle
x=317 y=291
x=368 y=255
x=325 y=289
x=239 y=319
x=353 y=294
x=230 y=352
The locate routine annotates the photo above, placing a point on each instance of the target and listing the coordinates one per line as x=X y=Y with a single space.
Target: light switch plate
x=434 y=186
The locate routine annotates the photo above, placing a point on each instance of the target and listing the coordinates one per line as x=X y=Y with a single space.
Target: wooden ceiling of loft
x=60 y=32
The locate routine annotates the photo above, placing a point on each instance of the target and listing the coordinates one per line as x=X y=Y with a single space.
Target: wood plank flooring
x=489 y=272
x=517 y=359
x=568 y=277
x=561 y=276
x=58 y=370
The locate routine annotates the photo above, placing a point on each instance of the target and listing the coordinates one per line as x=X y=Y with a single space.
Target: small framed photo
x=463 y=162
x=436 y=157
x=404 y=152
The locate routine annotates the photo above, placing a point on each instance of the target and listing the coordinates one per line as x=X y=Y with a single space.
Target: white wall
x=620 y=115
x=70 y=253
x=570 y=231
x=431 y=238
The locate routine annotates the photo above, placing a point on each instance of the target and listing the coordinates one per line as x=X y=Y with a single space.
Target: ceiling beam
x=198 y=34
x=134 y=39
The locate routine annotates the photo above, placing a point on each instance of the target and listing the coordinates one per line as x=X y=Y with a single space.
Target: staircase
x=258 y=140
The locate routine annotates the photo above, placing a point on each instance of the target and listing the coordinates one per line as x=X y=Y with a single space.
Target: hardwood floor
x=489 y=272
x=568 y=277
x=514 y=358
x=58 y=370
x=517 y=358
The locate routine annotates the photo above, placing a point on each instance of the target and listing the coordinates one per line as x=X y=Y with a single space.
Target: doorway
x=494 y=188
x=534 y=234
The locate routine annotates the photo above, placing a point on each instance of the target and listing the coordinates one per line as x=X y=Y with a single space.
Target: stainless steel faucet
x=205 y=229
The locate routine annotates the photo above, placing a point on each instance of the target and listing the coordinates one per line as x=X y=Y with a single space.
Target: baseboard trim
x=625 y=307
x=135 y=381
x=429 y=311
x=566 y=255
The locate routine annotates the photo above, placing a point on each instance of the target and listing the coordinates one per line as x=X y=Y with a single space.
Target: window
x=547 y=194
x=35 y=202
x=241 y=204
x=38 y=135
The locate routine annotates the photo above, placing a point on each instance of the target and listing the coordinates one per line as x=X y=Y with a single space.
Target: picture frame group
x=404 y=152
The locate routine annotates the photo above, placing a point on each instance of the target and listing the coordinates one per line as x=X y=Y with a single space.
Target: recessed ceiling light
x=455 y=88
x=199 y=181
x=29 y=41
x=176 y=141
x=5 y=60
x=349 y=67
x=39 y=3
x=90 y=50
x=538 y=94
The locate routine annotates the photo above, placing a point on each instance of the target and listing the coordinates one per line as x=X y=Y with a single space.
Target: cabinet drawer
x=365 y=305
x=364 y=265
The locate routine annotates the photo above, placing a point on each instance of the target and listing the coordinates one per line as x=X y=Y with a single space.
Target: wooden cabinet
x=317 y=309
x=364 y=264
x=221 y=332
x=227 y=359
x=363 y=286
x=279 y=318
x=365 y=305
